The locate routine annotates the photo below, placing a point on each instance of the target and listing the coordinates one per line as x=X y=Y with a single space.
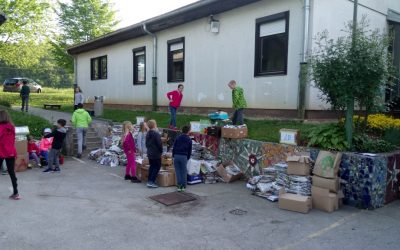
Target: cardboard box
x=21 y=162
x=144 y=173
x=226 y=176
x=330 y=184
x=21 y=147
x=294 y=202
x=145 y=161
x=165 y=179
x=324 y=200
x=234 y=133
x=194 y=179
x=166 y=161
x=327 y=164
x=298 y=165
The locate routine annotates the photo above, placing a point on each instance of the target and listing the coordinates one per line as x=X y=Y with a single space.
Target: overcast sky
x=133 y=11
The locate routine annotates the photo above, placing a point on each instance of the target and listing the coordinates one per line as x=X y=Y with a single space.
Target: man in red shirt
x=175 y=99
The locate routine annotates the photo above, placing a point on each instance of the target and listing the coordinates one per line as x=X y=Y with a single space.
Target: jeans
x=11 y=171
x=25 y=103
x=180 y=163
x=35 y=157
x=172 y=110
x=81 y=133
x=45 y=155
x=238 y=117
x=54 y=159
x=155 y=165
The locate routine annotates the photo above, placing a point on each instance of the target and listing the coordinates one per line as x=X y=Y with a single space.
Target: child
x=107 y=141
x=141 y=139
x=45 y=145
x=7 y=149
x=128 y=144
x=78 y=98
x=33 y=151
x=181 y=152
x=154 y=151
x=59 y=134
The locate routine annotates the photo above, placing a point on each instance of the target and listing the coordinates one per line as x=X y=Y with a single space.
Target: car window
x=10 y=81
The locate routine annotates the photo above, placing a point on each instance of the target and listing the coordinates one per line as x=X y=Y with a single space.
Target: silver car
x=15 y=85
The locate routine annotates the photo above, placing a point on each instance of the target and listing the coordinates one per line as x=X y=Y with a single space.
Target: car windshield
x=10 y=81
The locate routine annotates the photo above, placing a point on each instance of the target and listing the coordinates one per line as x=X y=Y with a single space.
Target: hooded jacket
x=81 y=118
x=59 y=136
x=7 y=141
x=45 y=144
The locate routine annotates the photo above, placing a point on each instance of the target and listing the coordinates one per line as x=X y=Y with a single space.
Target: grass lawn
x=263 y=130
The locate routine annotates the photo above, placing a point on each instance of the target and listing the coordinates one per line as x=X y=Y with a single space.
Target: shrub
x=331 y=137
x=35 y=124
x=5 y=103
x=364 y=143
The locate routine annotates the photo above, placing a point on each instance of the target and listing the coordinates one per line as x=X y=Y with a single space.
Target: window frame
x=135 y=68
x=170 y=59
x=99 y=61
x=258 y=46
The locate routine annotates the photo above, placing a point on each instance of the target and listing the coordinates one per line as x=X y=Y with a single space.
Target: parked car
x=15 y=84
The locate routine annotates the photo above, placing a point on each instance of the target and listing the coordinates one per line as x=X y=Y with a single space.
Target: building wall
x=334 y=16
x=211 y=60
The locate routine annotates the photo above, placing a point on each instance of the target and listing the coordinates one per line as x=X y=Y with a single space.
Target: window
x=139 y=66
x=176 y=60
x=98 y=68
x=271 y=48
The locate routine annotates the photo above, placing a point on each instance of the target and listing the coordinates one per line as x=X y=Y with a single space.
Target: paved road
x=88 y=206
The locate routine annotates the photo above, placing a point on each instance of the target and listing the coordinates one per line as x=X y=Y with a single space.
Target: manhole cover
x=173 y=198
x=238 y=212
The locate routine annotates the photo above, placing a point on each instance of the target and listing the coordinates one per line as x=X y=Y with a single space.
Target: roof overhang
x=393 y=16
x=176 y=17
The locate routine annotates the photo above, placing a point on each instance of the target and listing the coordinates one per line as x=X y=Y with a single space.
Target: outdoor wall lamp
x=214 y=25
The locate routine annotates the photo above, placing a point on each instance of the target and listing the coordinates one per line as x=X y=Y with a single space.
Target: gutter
x=154 y=69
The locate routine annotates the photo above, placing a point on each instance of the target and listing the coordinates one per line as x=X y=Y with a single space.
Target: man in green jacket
x=24 y=94
x=81 y=120
x=239 y=103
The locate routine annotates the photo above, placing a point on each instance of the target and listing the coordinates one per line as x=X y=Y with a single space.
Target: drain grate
x=238 y=211
x=173 y=198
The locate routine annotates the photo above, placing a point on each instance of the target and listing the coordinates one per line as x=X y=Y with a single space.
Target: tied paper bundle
x=109 y=159
x=282 y=178
x=300 y=185
x=96 y=154
x=233 y=169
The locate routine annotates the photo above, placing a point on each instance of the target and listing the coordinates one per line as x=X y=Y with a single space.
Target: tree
x=21 y=35
x=81 y=21
x=354 y=68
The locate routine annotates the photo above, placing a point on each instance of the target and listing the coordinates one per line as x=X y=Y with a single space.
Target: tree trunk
x=349 y=121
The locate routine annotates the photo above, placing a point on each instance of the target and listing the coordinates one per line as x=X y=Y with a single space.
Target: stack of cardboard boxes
x=325 y=190
x=298 y=165
x=166 y=176
x=234 y=132
x=21 y=145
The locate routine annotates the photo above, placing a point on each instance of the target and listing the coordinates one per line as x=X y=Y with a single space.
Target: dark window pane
x=104 y=67
x=95 y=69
x=176 y=62
x=140 y=66
x=273 y=53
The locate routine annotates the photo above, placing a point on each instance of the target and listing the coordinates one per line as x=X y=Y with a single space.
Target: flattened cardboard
x=234 y=133
x=330 y=184
x=324 y=200
x=298 y=165
x=225 y=175
x=294 y=202
x=327 y=164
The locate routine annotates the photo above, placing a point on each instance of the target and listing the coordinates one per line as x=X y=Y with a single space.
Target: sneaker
x=135 y=180
x=128 y=177
x=15 y=197
x=183 y=189
x=48 y=170
x=39 y=165
x=79 y=156
x=149 y=184
x=57 y=170
x=3 y=172
x=153 y=185
x=179 y=189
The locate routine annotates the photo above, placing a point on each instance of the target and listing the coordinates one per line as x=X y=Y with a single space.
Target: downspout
x=154 y=77
x=303 y=76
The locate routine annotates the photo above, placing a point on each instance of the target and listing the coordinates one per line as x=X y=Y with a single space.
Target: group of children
x=149 y=143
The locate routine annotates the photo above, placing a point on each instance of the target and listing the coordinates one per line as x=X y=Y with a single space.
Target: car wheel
x=39 y=90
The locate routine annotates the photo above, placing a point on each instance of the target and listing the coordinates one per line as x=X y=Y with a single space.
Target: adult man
x=81 y=120
x=175 y=99
x=24 y=94
x=238 y=102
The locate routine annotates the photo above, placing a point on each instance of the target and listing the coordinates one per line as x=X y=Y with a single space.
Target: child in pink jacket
x=128 y=144
x=45 y=145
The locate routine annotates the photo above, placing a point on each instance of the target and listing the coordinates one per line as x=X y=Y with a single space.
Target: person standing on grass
x=238 y=101
x=181 y=153
x=81 y=120
x=154 y=151
x=24 y=94
x=175 y=99
x=78 y=98
x=58 y=134
x=128 y=144
x=8 y=152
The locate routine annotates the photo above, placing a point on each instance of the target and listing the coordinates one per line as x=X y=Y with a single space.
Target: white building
x=259 y=43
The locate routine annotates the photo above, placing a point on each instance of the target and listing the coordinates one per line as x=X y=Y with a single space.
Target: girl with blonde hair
x=128 y=144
